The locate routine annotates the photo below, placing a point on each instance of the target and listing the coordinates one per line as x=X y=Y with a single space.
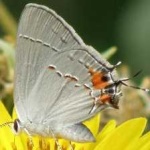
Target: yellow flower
x=127 y=136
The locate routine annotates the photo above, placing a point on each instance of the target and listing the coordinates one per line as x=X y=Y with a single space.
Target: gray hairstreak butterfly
x=60 y=81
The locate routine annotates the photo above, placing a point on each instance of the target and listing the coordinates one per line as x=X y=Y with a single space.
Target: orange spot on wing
x=105 y=98
x=97 y=80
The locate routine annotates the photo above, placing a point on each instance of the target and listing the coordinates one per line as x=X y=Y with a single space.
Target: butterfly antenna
x=122 y=81
x=6 y=124
x=135 y=87
x=135 y=75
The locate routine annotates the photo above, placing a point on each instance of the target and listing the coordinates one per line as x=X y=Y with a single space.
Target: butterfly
x=59 y=80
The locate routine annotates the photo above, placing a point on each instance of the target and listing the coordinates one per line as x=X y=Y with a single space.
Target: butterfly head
x=112 y=92
x=111 y=95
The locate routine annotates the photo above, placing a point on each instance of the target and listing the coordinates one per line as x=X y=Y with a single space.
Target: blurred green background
x=104 y=23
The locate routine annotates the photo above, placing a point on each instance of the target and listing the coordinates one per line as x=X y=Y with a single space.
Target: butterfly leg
x=30 y=143
x=96 y=104
x=71 y=146
x=100 y=103
x=58 y=144
x=56 y=140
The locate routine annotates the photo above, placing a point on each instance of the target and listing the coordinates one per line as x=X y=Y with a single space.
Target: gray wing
x=77 y=132
x=53 y=83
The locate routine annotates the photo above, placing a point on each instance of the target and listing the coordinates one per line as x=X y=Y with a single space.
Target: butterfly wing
x=53 y=80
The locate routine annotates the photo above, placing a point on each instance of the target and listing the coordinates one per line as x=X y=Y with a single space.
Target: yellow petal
x=143 y=143
x=109 y=127
x=7 y=138
x=4 y=115
x=124 y=135
x=14 y=114
x=93 y=124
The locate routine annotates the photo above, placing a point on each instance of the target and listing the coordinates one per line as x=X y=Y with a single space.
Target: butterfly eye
x=111 y=91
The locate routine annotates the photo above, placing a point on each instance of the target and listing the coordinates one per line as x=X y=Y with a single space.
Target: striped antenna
x=122 y=81
x=6 y=124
